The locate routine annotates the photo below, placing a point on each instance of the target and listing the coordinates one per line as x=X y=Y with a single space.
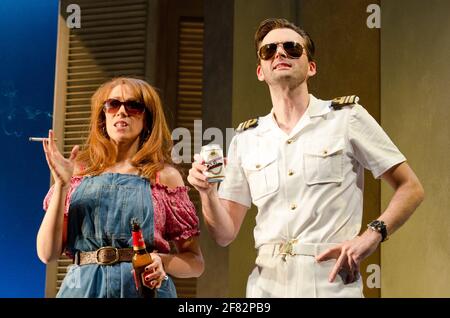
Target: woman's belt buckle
x=107 y=254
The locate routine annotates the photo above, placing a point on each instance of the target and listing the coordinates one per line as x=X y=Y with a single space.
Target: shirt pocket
x=262 y=175
x=323 y=161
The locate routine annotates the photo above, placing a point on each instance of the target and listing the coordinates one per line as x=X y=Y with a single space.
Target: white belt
x=293 y=247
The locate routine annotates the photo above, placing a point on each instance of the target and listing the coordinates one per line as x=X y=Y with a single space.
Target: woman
x=124 y=173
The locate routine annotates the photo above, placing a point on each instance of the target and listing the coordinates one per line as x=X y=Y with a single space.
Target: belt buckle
x=287 y=248
x=115 y=260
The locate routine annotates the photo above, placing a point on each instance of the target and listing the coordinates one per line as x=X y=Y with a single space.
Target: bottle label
x=138 y=240
x=212 y=156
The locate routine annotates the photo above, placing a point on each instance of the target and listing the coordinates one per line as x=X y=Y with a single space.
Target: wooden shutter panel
x=189 y=106
x=110 y=42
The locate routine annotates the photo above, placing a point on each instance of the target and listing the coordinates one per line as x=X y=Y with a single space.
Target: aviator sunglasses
x=132 y=107
x=293 y=50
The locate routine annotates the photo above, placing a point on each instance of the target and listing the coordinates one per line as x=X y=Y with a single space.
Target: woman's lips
x=121 y=124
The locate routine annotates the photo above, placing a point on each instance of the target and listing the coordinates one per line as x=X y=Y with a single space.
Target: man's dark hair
x=270 y=24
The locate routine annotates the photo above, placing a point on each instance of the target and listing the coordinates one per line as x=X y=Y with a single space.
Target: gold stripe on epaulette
x=239 y=128
x=338 y=100
x=250 y=123
x=344 y=100
x=247 y=124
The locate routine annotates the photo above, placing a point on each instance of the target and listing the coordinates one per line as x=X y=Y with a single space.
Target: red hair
x=155 y=142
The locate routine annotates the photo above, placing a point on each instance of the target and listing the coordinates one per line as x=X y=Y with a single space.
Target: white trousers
x=297 y=274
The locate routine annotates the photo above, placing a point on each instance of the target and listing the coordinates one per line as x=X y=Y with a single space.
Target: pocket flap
x=258 y=163
x=325 y=147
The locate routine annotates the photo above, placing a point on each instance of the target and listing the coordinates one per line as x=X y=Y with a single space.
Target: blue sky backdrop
x=28 y=31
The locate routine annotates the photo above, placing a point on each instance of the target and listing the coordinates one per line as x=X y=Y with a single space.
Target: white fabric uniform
x=308 y=187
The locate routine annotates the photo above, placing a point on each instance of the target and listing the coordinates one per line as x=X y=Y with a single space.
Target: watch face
x=376 y=224
x=380 y=227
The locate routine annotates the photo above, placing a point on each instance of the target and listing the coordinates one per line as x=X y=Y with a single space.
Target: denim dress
x=100 y=214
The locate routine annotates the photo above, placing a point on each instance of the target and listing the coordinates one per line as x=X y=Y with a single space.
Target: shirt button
x=258 y=166
x=290 y=173
x=325 y=152
x=290 y=141
x=293 y=206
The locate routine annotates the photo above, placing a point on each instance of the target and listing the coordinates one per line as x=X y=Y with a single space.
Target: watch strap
x=380 y=227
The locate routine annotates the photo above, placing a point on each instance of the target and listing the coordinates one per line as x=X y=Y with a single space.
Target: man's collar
x=266 y=123
x=317 y=107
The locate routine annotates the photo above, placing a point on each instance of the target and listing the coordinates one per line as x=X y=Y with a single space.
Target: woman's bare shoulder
x=170 y=177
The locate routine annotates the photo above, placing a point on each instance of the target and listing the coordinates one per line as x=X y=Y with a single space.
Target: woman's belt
x=107 y=255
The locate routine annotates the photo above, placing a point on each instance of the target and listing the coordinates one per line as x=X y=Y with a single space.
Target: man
x=303 y=165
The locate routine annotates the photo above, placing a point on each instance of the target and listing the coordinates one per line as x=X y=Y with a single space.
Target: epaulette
x=339 y=102
x=247 y=124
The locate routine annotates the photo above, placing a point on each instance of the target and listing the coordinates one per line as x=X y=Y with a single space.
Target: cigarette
x=38 y=139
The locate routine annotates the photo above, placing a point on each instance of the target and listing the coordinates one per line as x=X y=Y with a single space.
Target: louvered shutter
x=110 y=42
x=189 y=105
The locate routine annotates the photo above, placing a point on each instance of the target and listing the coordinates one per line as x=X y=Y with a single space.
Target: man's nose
x=280 y=51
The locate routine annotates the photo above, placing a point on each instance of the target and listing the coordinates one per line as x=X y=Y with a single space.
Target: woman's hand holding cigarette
x=62 y=169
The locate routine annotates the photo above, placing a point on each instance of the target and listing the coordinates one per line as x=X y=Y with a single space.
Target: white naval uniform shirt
x=308 y=185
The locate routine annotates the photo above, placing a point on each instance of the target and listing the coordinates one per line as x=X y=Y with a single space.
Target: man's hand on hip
x=350 y=254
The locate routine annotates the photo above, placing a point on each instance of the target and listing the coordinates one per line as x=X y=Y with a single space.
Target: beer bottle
x=141 y=258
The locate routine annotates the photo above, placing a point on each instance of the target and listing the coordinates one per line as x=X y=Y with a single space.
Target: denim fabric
x=100 y=214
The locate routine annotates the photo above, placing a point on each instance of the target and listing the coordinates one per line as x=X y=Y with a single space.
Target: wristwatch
x=379 y=227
